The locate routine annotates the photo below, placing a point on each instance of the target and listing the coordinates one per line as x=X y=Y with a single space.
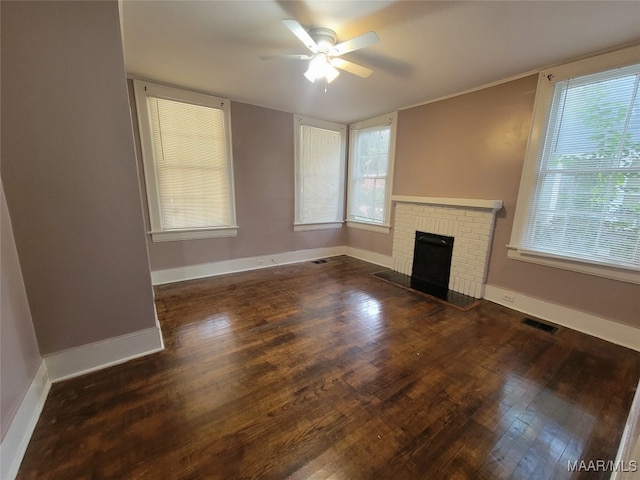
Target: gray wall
x=69 y=172
x=263 y=164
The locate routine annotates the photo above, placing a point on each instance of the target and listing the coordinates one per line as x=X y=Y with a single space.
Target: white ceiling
x=427 y=49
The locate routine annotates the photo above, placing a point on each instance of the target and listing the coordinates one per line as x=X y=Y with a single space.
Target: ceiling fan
x=324 y=59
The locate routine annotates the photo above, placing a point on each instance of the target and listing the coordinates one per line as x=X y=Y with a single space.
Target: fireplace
x=432 y=263
x=469 y=222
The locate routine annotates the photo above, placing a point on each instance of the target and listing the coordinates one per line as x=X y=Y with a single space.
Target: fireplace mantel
x=493 y=205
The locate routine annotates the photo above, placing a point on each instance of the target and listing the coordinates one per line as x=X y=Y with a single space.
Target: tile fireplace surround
x=469 y=221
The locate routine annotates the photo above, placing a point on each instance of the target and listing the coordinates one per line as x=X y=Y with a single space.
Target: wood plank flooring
x=326 y=372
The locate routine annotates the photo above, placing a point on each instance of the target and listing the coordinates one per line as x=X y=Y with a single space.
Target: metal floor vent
x=318 y=262
x=545 y=327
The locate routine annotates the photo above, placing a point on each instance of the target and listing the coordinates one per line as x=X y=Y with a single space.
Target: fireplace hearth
x=444 y=295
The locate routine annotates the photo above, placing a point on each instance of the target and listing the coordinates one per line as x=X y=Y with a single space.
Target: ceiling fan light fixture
x=320 y=68
x=331 y=73
x=309 y=75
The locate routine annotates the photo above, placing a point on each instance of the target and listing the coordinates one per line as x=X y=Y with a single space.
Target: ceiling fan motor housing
x=325 y=38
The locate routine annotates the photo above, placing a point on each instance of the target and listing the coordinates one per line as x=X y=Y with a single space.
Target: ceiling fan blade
x=284 y=57
x=302 y=34
x=351 y=67
x=356 y=43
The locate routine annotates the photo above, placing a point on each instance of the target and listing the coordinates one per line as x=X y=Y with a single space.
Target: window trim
x=144 y=89
x=542 y=105
x=306 y=227
x=371 y=227
x=298 y=121
x=390 y=119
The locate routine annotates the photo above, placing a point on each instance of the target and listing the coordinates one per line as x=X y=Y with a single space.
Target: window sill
x=305 y=227
x=369 y=226
x=628 y=275
x=193 y=234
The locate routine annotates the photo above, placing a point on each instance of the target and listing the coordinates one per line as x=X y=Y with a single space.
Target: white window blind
x=186 y=149
x=191 y=165
x=369 y=174
x=586 y=197
x=320 y=157
x=320 y=175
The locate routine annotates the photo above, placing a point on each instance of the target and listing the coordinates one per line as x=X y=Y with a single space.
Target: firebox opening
x=432 y=264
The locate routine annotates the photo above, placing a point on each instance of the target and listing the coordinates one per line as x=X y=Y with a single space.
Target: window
x=186 y=150
x=579 y=201
x=372 y=145
x=320 y=169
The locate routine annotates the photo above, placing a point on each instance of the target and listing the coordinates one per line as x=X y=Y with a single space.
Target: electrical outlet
x=45 y=378
x=507 y=297
x=260 y=261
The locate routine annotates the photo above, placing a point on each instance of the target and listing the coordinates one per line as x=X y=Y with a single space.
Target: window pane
x=593 y=123
x=365 y=199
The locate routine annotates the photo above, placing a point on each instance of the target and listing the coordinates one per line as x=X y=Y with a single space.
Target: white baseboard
x=98 y=355
x=608 y=330
x=192 y=272
x=371 y=257
x=19 y=433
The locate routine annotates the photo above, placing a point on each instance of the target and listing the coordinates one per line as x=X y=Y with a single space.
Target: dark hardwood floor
x=326 y=372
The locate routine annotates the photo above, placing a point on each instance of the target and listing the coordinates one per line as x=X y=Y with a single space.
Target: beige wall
x=19 y=356
x=69 y=172
x=263 y=162
x=473 y=146
x=372 y=241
